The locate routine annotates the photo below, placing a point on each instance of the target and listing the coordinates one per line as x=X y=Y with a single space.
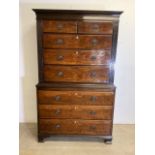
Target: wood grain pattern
x=61 y=41
x=75 y=97
x=90 y=27
x=95 y=41
x=75 y=126
x=77 y=57
x=59 y=26
x=75 y=111
x=95 y=74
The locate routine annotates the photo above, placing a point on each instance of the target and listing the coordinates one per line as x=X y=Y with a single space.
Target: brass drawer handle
x=93 y=74
x=60 y=74
x=57 y=112
x=92 y=112
x=57 y=126
x=95 y=27
x=57 y=98
x=94 y=41
x=93 y=98
x=59 y=26
x=93 y=57
x=92 y=127
x=59 y=41
x=60 y=57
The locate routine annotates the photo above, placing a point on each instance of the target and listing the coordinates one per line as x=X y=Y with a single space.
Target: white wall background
x=124 y=76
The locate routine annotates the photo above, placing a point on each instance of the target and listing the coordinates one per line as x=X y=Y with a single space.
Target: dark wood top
x=105 y=12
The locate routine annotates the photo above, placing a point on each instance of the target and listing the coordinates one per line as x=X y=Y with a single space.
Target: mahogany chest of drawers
x=76 y=56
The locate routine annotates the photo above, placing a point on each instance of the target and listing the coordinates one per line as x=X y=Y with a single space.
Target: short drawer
x=85 y=74
x=75 y=126
x=77 y=57
x=60 y=41
x=95 y=27
x=59 y=26
x=52 y=97
x=75 y=111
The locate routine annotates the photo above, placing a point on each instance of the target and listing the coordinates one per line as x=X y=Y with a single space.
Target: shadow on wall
x=28 y=65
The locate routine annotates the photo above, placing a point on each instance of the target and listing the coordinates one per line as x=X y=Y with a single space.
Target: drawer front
x=87 y=74
x=95 y=27
x=77 y=41
x=78 y=127
x=95 y=41
x=77 y=57
x=60 y=41
x=75 y=97
x=75 y=111
x=59 y=26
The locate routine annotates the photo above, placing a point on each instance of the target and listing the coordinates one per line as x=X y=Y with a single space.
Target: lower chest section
x=75 y=112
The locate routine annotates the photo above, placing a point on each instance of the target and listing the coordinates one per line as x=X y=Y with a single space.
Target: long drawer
x=87 y=74
x=75 y=97
x=75 y=111
x=77 y=57
x=61 y=41
x=75 y=126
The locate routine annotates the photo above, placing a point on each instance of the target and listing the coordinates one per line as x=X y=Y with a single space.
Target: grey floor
x=123 y=143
